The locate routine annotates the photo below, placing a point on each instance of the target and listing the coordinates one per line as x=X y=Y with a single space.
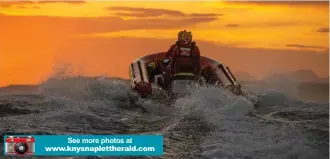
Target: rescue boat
x=144 y=81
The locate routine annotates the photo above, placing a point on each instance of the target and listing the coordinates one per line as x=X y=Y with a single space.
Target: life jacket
x=185 y=60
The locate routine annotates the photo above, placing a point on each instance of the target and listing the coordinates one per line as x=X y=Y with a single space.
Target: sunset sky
x=102 y=38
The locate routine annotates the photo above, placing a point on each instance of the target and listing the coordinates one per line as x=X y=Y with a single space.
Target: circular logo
x=21 y=148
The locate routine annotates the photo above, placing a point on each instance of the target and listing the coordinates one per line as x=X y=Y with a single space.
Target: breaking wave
x=208 y=123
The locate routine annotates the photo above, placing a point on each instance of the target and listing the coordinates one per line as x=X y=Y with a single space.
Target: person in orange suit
x=184 y=55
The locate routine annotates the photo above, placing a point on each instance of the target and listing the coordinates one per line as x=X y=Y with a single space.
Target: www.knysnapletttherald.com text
x=100 y=149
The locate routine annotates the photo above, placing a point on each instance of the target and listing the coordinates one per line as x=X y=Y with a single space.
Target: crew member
x=184 y=55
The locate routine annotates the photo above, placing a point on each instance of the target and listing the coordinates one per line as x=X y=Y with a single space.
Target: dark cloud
x=266 y=24
x=88 y=25
x=18 y=6
x=205 y=15
x=16 y=2
x=144 y=12
x=151 y=12
x=5 y=5
x=284 y=2
x=29 y=2
x=323 y=30
x=70 y=2
x=304 y=46
x=232 y=25
x=273 y=24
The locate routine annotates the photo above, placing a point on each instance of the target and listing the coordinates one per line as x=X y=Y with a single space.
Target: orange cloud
x=284 y=2
x=232 y=25
x=40 y=2
x=305 y=46
x=64 y=1
x=33 y=4
x=323 y=30
x=5 y=5
x=150 y=12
